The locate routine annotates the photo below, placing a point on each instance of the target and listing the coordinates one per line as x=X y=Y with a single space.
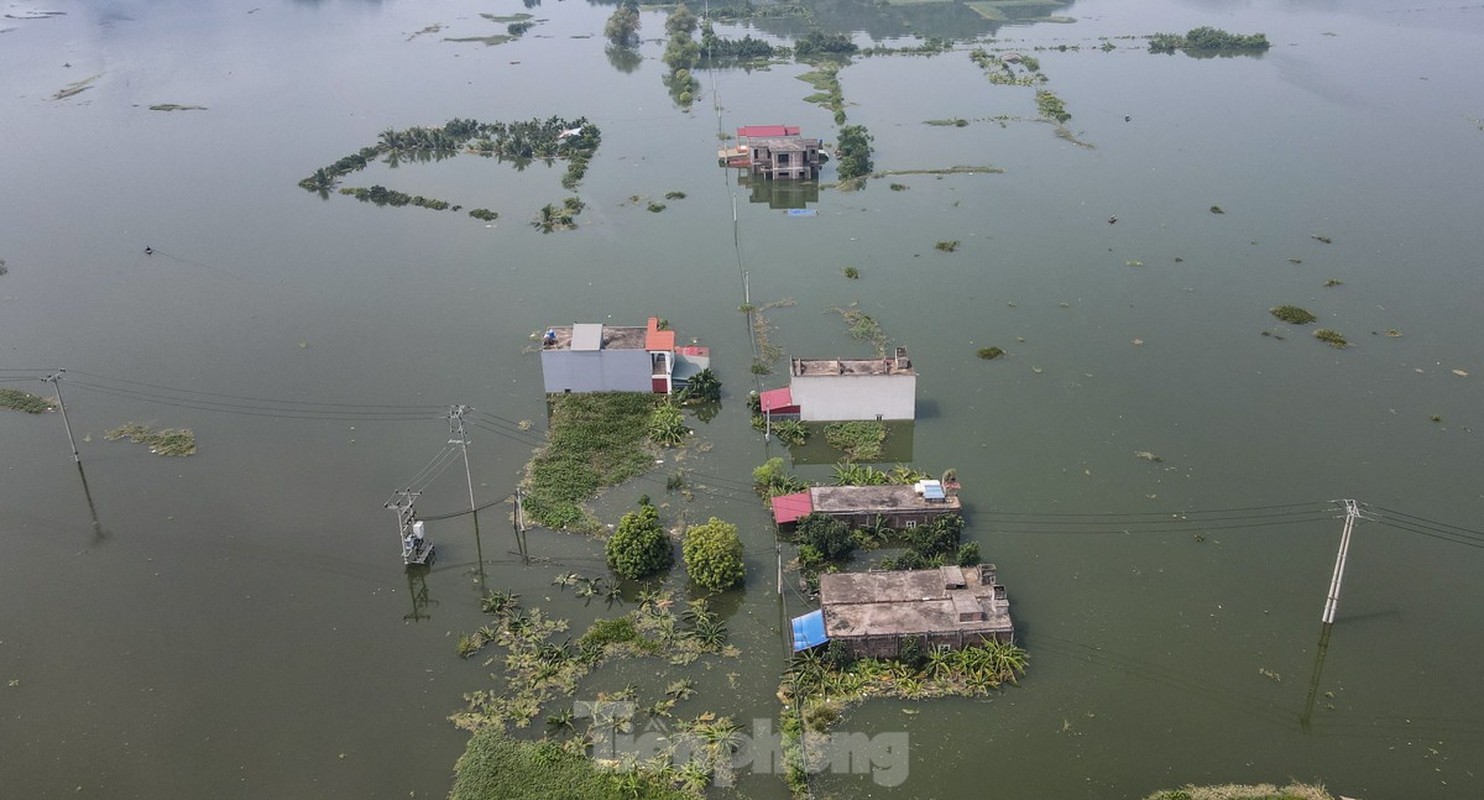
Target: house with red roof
x=773 y=152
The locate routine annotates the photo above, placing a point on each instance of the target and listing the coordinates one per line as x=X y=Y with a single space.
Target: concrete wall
x=831 y=398
x=595 y=371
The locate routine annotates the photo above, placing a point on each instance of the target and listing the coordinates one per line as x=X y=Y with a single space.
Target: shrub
x=639 y=547
x=828 y=535
x=667 y=426
x=772 y=479
x=713 y=555
x=791 y=432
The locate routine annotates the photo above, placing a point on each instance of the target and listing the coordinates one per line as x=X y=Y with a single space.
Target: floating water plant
x=1051 y=106
x=864 y=327
x=1331 y=337
x=484 y=214
x=1332 y=283
x=594 y=440
x=990 y=353
x=1324 y=239
x=1293 y=315
x=859 y=441
x=1145 y=455
x=1217 y=210
x=656 y=208
x=852 y=273
x=674 y=195
x=947 y=246
x=166 y=442
x=175 y=107
x=17 y=400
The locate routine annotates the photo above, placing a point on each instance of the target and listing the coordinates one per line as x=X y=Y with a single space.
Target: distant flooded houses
x=841 y=389
x=873 y=613
x=773 y=152
x=593 y=357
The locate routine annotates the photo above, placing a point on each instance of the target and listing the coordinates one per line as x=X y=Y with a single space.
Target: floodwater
x=237 y=624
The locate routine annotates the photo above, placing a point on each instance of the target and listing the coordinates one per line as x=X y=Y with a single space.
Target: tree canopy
x=639 y=548
x=623 y=25
x=713 y=555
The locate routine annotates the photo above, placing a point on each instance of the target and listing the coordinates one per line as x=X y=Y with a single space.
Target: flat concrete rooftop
x=943 y=600
x=848 y=499
x=852 y=366
x=625 y=337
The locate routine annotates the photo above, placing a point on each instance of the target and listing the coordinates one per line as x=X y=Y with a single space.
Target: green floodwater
x=238 y=624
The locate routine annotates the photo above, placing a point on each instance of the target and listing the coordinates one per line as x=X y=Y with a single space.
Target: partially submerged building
x=773 y=152
x=872 y=613
x=898 y=506
x=839 y=389
x=593 y=357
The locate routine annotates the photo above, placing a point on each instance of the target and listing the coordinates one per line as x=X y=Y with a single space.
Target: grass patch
x=17 y=400
x=595 y=440
x=1332 y=337
x=1293 y=315
x=164 y=442
x=496 y=765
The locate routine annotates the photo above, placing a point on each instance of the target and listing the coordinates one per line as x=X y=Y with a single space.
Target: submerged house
x=774 y=152
x=899 y=506
x=592 y=357
x=872 y=613
x=839 y=389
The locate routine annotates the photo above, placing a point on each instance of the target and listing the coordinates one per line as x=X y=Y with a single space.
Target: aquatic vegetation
x=1051 y=107
x=1209 y=41
x=772 y=479
x=851 y=272
x=957 y=122
x=1217 y=210
x=175 y=107
x=858 y=440
x=639 y=547
x=990 y=353
x=562 y=217
x=1332 y=282
x=1145 y=455
x=76 y=87
x=1293 y=791
x=863 y=327
x=1293 y=315
x=702 y=387
x=382 y=196
x=667 y=426
x=899 y=187
x=164 y=442
x=1331 y=337
x=656 y=208
x=496 y=765
x=947 y=246
x=672 y=195
x=17 y=400
x=3 y=268
x=594 y=440
x=484 y=214
x=713 y=555
x=1322 y=239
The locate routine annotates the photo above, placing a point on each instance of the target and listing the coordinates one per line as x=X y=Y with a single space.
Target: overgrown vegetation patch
x=595 y=440
x=859 y=441
x=1293 y=315
x=17 y=400
x=164 y=442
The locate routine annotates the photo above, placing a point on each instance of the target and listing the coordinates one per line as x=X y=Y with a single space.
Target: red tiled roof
x=748 y=131
x=656 y=339
x=790 y=507
x=776 y=399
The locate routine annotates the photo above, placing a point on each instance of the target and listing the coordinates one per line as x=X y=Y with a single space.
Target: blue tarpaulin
x=809 y=631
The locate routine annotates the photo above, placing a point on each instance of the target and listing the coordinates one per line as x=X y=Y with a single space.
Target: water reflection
x=417 y=590
x=623 y=59
x=780 y=194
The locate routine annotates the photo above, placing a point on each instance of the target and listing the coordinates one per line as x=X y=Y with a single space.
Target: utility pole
x=1333 y=600
x=456 y=429
x=55 y=379
x=414 y=550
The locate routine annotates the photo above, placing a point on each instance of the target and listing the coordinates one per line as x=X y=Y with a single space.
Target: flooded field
x=1151 y=463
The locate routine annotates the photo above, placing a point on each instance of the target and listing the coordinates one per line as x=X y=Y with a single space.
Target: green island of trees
x=1206 y=40
x=718 y=50
x=574 y=141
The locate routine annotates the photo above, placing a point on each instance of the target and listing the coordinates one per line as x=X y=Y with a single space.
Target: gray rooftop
x=783 y=143
x=857 y=499
x=943 y=600
x=852 y=366
x=597 y=336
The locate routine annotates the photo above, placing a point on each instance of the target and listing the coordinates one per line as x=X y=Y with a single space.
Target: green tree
x=623 y=26
x=772 y=479
x=855 y=152
x=639 y=547
x=713 y=555
x=829 y=535
x=681 y=21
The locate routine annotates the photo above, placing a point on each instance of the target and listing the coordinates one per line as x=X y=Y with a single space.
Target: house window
x=911 y=523
x=782 y=159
